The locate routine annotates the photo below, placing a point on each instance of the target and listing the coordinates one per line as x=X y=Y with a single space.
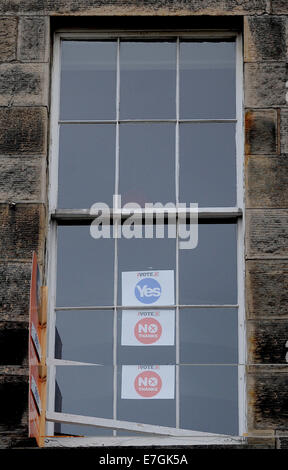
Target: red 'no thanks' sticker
x=148 y=330
x=148 y=384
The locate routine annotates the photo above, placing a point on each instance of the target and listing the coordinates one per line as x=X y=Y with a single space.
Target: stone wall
x=25 y=44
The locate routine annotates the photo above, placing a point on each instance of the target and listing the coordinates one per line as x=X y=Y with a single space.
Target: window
x=146 y=332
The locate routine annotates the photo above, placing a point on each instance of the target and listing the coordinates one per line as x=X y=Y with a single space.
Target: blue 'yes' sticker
x=147 y=290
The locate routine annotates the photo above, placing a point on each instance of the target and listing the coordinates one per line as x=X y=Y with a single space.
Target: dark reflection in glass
x=86 y=336
x=86 y=391
x=208 y=336
x=209 y=399
x=88 y=80
x=86 y=165
x=155 y=350
x=147 y=80
x=147 y=163
x=207 y=80
x=145 y=255
x=208 y=164
x=85 y=268
x=161 y=412
x=81 y=431
x=208 y=273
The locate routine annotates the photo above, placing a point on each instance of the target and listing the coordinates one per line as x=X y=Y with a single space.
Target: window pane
x=138 y=403
x=86 y=391
x=147 y=163
x=86 y=165
x=208 y=273
x=146 y=337
x=88 y=80
x=209 y=399
x=207 y=80
x=85 y=268
x=85 y=336
x=81 y=431
x=208 y=164
x=209 y=336
x=146 y=255
x=147 y=80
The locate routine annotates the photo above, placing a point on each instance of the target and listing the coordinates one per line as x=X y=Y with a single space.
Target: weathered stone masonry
x=25 y=44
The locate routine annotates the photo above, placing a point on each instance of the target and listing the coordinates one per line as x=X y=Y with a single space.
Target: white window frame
x=161 y=435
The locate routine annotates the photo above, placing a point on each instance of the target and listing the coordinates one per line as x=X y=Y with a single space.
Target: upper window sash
x=58 y=213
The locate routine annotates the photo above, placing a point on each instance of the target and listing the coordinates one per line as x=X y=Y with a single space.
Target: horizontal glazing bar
x=138 y=307
x=64 y=362
x=146 y=121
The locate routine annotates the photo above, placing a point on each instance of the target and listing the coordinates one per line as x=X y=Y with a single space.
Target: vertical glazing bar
x=242 y=351
x=115 y=232
x=177 y=346
x=117 y=117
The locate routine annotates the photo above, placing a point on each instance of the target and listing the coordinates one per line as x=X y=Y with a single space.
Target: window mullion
x=177 y=325
x=117 y=153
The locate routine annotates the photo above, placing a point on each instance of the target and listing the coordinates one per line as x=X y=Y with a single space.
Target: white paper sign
x=36 y=394
x=148 y=382
x=36 y=341
x=148 y=288
x=148 y=328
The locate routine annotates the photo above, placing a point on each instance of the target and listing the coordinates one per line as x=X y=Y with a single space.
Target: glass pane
x=85 y=268
x=88 y=80
x=208 y=164
x=207 y=80
x=208 y=273
x=80 y=431
x=85 y=336
x=86 y=165
x=86 y=391
x=209 y=399
x=209 y=336
x=147 y=163
x=147 y=80
x=146 y=337
x=146 y=394
x=140 y=259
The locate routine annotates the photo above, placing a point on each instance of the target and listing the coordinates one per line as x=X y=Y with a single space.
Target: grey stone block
x=266 y=233
x=266 y=182
x=267 y=289
x=261 y=132
x=267 y=392
x=33 y=39
x=14 y=290
x=279 y=7
x=265 y=38
x=8 y=39
x=22 y=179
x=22 y=231
x=124 y=7
x=23 y=130
x=284 y=130
x=24 y=84
x=267 y=341
x=265 y=85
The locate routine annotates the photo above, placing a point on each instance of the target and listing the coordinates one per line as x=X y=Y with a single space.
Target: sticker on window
x=148 y=328
x=148 y=382
x=148 y=288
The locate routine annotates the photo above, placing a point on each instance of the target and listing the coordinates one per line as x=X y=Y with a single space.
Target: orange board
x=37 y=359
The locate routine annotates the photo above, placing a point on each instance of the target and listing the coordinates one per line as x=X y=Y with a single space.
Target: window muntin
x=174 y=355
